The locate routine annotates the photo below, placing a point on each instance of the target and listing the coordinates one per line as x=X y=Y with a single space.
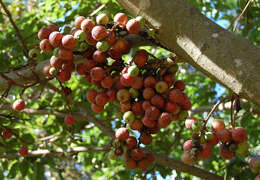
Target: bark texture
x=226 y=58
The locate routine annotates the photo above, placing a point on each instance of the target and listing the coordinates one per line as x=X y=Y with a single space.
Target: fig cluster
x=143 y=87
x=232 y=141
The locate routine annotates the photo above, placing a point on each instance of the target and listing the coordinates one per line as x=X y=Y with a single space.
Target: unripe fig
x=161 y=87
x=224 y=135
x=80 y=35
x=255 y=164
x=45 y=45
x=239 y=134
x=99 y=33
x=164 y=120
x=46 y=71
x=111 y=95
x=129 y=117
x=137 y=154
x=141 y=20
x=131 y=164
x=18 y=105
x=83 y=46
x=111 y=39
x=87 y=25
x=121 y=19
x=133 y=26
x=242 y=149
x=211 y=138
x=96 y=108
x=140 y=57
x=148 y=93
x=102 y=18
x=127 y=80
x=157 y=101
x=78 y=21
x=189 y=121
x=44 y=33
x=91 y=95
x=68 y=41
x=55 y=39
x=63 y=76
x=102 y=46
x=187 y=145
x=69 y=120
x=152 y=113
x=34 y=53
x=146 y=138
x=122 y=46
x=179 y=84
x=56 y=62
x=149 y=122
x=133 y=71
x=136 y=125
x=217 y=125
x=138 y=83
x=149 y=81
x=182 y=115
x=123 y=95
x=173 y=69
x=205 y=152
x=131 y=142
x=97 y=73
x=143 y=164
x=66 y=54
x=225 y=153
x=146 y=104
x=124 y=107
x=7 y=134
x=101 y=99
x=151 y=32
x=107 y=82
x=122 y=133
x=137 y=109
x=134 y=93
x=53 y=71
x=23 y=151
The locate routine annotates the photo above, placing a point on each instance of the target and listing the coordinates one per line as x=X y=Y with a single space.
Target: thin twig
x=15 y=28
x=213 y=109
x=239 y=17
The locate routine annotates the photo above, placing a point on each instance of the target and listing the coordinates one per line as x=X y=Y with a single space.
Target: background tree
x=81 y=151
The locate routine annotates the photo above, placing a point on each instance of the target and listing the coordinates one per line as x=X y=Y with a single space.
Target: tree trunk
x=226 y=58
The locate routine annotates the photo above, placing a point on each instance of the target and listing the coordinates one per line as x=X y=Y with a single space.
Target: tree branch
x=15 y=28
x=85 y=115
x=46 y=152
x=220 y=54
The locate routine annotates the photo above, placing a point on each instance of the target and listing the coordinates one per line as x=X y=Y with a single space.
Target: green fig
x=102 y=46
x=129 y=117
x=183 y=115
x=133 y=92
x=197 y=126
x=80 y=35
x=53 y=71
x=34 y=53
x=83 y=46
x=102 y=18
x=133 y=71
x=141 y=20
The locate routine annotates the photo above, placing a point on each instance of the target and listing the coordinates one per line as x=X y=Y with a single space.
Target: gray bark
x=226 y=58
